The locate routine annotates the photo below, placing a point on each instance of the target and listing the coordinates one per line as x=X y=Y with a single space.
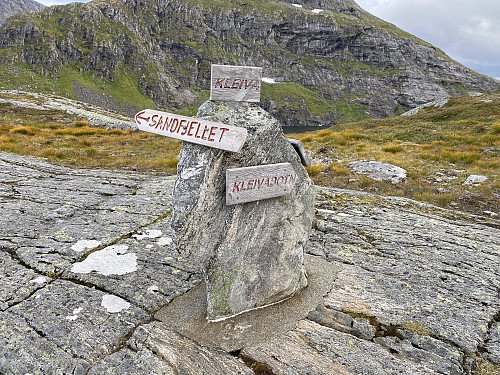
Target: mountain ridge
x=11 y=7
x=338 y=63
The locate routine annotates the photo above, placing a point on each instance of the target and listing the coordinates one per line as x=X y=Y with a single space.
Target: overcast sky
x=466 y=30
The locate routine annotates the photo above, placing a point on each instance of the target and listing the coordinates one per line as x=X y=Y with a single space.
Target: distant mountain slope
x=11 y=7
x=331 y=60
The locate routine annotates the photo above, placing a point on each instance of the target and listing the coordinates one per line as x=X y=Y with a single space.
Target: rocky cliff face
x=329 y=60
x=11 y=7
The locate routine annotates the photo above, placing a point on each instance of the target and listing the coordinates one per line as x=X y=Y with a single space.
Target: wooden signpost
x=250 y=184
x=195 y=130
x=236 y=83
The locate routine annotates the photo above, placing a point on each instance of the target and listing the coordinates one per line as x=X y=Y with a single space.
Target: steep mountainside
x=330 y=60
x=11 y=7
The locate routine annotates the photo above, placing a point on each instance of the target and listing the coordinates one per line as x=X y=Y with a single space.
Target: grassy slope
x=439 y=148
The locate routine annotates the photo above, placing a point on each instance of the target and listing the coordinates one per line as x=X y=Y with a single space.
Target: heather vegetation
x=438 y=147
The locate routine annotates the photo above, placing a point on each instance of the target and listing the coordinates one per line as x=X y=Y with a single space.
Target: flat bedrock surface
x=86 y=263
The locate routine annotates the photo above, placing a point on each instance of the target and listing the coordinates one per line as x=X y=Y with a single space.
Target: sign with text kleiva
x=236 y=83
x=203 y=132
x=250 y=184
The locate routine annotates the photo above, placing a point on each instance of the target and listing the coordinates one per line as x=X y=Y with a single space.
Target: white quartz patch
x=268 y=80
x=317 y=11
x=153 y=288
x=150 y=233
x=75 y=314
x=165 y=241
x=297 y=5
x=39 y=280
x=114 y=304
x=83 y=245
x=109 y=261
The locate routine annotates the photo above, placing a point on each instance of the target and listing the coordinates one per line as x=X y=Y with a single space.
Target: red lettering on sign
x=219 y=82
x=280 y=178
x=223 y=130
x=168 y=123
x=183 y=126
x=225 y=84
x=236 y=83
x=174 y=124
x=190 y=127
x=160 y=121
x=153 y=121
x=212 y=133
x=247 y=85
x=139 y=117
x=250 y=184
x=236 y=186
x=197 y=129
x=203 y=135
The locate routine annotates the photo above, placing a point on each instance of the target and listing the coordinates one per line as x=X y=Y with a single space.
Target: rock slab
x=252 y=253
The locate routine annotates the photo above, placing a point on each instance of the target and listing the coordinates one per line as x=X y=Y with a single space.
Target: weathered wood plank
x=195 y=130
x=259 y=182
x=236 y=83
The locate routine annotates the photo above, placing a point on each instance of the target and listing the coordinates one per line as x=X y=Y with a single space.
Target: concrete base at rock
x=251 y=254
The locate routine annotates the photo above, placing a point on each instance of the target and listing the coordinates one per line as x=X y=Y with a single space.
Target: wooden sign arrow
x=195 y=130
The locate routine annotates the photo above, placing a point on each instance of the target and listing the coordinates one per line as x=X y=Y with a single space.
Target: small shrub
x=464 y=157
x=392 y=148
x=470 y=122
x=496 y=128
x=172 y=162
x=80 y=124
x=352 y=135
x=52 y=153
x=25 y=130
x=338 y=169
x=91 y=152
x=117 y=131
x=7 y=139
x=315 y=169
x=77 y=132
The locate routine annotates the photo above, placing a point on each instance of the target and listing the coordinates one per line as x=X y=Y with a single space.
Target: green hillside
x=339 y=65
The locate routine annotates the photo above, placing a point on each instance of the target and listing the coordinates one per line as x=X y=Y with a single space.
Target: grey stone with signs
x=251 y=253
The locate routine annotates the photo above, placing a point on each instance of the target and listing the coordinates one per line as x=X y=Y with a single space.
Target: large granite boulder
x=251 y=254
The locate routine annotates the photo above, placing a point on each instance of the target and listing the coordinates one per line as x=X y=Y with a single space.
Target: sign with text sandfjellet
x=236 y=83
x=194 y=130
x=250 y=184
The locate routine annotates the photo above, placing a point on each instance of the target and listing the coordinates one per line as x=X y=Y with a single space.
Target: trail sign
x=259 y=182
x=236 y=83
x=195 y=130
